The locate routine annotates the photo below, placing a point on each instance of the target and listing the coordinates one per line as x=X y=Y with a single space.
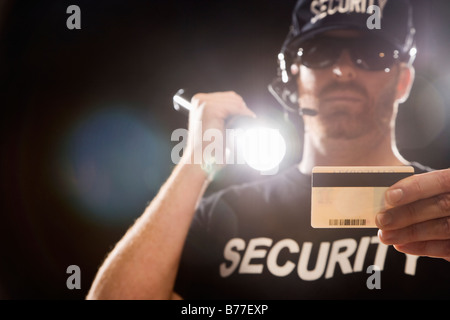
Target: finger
x=420 y=186
x=222 y=104
x=434 y=249
x=236 y=104
x=229 y=97
x=416 y=212
x=437 y=229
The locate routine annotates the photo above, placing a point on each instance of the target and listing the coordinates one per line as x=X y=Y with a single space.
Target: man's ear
x=405 y=82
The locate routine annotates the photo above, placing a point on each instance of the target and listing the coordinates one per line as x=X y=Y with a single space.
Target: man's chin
x=345 y=133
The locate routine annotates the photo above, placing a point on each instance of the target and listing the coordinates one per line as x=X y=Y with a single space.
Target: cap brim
x=297 y=41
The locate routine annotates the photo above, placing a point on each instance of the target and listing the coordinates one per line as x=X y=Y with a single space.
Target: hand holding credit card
x=351 y=197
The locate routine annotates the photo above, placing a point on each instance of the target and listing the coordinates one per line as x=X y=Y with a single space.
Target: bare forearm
x=143 y=265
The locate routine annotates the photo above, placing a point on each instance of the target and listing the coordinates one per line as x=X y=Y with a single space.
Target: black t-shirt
x=255 y=241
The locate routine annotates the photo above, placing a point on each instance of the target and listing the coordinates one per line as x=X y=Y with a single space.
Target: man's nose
x=344 y=68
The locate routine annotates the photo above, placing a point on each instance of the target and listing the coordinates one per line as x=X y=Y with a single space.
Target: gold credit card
x=351 y=197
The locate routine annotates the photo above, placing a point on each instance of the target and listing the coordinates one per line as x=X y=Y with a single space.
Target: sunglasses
x=372 y=54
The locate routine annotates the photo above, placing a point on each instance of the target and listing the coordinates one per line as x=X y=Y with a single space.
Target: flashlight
x=260 y=145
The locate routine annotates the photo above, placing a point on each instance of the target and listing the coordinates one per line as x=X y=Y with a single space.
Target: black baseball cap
x=313 y=17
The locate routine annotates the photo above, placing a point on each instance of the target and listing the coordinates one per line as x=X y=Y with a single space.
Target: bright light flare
x=262 y=148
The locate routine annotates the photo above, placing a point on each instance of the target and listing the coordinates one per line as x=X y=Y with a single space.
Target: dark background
x=87 y=116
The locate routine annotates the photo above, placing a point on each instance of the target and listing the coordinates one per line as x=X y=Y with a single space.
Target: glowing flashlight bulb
x=263 y=148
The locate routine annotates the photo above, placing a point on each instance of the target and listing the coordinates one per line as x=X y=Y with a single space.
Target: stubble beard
x=373 y=118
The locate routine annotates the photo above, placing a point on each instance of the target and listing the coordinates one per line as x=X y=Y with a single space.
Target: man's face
x=351 y=102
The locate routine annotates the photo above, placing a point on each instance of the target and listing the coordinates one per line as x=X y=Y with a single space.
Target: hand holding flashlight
x=261 y=147
x=209 y=115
